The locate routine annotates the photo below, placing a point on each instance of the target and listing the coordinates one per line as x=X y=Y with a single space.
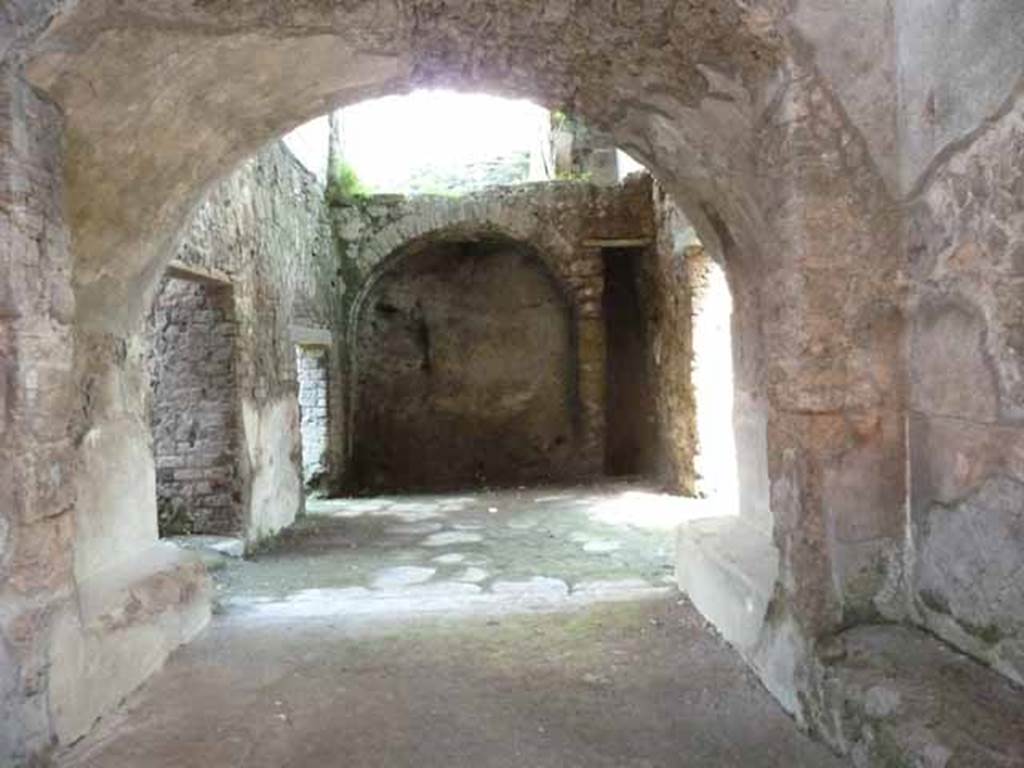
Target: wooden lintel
x=620 y=242
x=183 y=271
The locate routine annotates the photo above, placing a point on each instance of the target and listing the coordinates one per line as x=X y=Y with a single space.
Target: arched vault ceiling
x=163 y=97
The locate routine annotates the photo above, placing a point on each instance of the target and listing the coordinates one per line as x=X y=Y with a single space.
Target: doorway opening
x=713 y=376
x=313 y=373
x=631 y=417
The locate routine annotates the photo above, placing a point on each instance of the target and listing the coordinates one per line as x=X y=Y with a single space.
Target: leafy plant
x=573 y=175
x=173 y=518
x=345 y=185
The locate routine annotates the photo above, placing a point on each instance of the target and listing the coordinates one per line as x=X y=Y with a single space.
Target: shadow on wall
x=465 y=371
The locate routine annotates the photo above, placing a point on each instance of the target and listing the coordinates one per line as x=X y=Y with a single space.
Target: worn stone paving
x=488 y=630
x=490 y=551
x=639 y=684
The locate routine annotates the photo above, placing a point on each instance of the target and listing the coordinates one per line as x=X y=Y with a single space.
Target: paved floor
x=520 y=629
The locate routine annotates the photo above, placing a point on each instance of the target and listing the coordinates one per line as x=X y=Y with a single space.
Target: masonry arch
x=493 y=394
x=229 y=84
x=719 y=99
x=402 y=240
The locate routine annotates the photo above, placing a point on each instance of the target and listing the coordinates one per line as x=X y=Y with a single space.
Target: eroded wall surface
x=563 y=223
x=965 y=248
x=265 y=228
x=666 y=284
x=37 y=416
x=466 y=372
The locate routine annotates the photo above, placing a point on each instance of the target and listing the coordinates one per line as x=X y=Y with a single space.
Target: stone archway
x=555 y=221
x=724 y=102
x=465 y=368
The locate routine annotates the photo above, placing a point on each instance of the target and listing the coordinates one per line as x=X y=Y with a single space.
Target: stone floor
x=543 y=549
x=530 y=628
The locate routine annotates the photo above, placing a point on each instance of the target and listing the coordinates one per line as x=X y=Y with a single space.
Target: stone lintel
x=183 y=271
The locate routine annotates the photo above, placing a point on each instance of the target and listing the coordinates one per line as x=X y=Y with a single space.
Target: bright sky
x=385 y=139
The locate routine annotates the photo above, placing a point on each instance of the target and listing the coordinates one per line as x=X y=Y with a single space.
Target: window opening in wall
x=194 y=408
x=311 y=365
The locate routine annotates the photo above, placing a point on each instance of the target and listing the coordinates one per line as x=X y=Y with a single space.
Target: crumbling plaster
x=266 y=229
x=466 y=372
x=556 y=220
x=965 y=246
x=739 y=111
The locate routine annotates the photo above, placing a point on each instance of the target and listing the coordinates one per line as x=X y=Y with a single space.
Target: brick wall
x=194 y=408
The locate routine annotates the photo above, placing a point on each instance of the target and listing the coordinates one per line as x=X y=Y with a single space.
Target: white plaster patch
x=400 y=576
x=598 y=546
x=452 y=558
x=472 y=575
x=446 y=538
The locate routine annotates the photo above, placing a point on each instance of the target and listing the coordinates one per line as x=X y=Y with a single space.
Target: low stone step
x=728 y=568
x=126 y=621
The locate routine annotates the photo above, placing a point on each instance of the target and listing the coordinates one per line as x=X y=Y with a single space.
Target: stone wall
x=194 y=408
x=314 y=393
x=466 y=371
x=667 y=287
x=966 y=257
x=265 y=229
x=770 y=123
x=564 y=223
x=38 y=421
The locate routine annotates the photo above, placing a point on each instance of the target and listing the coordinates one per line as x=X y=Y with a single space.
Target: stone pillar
x=74 y=619
x=823 y=302
x=833 y=294
x=37 y=414
x=586 y=283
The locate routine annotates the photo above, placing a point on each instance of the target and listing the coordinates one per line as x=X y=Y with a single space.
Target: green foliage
x=173 y=517
x=345 y=185
x=559 y=120
x=573 y=175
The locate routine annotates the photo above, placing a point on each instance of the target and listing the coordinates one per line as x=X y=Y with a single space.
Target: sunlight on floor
x=656 y=511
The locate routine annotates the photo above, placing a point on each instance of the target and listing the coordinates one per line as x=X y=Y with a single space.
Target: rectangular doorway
x=630 y=416
x=311 y=364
